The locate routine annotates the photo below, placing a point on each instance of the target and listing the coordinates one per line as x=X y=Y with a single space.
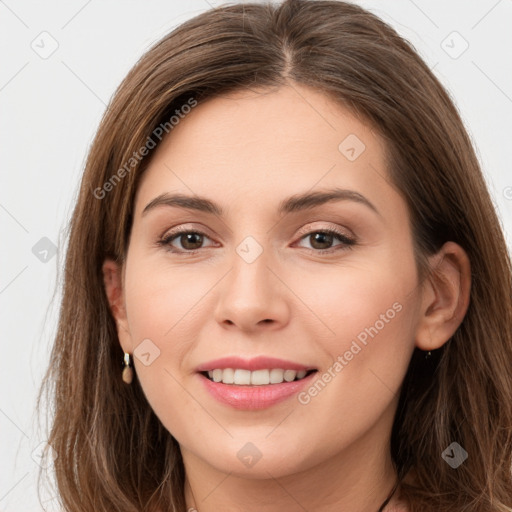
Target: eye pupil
x=189 y=237
x=192 y=241
x=321 y=237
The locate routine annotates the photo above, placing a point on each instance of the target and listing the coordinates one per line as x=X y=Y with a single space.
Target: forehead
x=264 y=145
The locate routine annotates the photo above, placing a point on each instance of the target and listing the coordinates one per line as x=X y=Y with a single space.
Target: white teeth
x=242 y=377
x=259 y=377
x=256 y=378
x=289 y=375
x=228 y=376
x=276 y=376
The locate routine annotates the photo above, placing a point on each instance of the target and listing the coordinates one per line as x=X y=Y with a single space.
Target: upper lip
x=256 y=363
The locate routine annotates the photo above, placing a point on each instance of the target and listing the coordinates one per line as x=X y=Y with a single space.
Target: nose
x=252 y=296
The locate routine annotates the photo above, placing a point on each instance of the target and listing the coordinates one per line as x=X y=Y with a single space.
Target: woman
x=284 y=236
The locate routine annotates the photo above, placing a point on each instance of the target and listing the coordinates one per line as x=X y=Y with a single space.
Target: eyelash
x=348 y=243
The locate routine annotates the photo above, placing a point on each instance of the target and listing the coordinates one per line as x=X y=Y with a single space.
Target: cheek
x=161 y=304
x=359 y=300
x=162 y=301
x=370 y=311
x=159 y=310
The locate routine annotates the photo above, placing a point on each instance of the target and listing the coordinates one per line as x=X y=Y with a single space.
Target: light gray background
x=51 y=107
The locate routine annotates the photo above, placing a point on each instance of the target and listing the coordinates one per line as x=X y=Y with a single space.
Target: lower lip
x=254 y=397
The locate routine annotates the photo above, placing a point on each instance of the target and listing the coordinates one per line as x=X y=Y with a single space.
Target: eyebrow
x=295 y=203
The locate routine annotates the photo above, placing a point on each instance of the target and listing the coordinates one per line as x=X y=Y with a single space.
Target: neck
x=356 y=480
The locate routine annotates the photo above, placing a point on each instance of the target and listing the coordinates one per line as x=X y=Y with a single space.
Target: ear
x=445 y=299
x=113 y=281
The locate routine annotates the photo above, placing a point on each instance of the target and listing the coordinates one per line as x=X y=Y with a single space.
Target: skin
x=248 y=151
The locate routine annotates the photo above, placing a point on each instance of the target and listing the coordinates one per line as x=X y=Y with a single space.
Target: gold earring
x=127 y=370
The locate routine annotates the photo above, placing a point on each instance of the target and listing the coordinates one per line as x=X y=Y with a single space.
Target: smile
x=241 y=377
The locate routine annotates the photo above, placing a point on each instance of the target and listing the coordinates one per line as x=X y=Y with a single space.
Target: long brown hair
x=113 y=452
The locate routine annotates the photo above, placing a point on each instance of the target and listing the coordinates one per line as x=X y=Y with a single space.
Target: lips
x=257 y=363
x=254 y=383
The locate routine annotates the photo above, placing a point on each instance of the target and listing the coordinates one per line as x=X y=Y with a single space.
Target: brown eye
x=322 y=240
x=189 y=241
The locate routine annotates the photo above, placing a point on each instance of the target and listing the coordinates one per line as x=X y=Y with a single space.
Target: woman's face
x=263 y=279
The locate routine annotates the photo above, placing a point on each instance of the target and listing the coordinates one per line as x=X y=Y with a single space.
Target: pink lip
x=257 y=363
x=254 y=397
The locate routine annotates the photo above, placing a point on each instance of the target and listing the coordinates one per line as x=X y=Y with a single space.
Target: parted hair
x=113 y=452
